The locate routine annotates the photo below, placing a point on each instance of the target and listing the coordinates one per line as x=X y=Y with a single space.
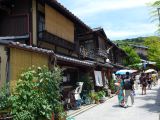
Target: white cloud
x=88 y=7
x=132 y=31
x=125 y=29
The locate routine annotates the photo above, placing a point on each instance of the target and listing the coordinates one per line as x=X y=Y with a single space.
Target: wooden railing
x=93 y=53
x=50 y=38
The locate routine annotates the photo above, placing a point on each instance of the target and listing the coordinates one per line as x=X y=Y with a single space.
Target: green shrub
x=4 y=99
x=101 y=94
x=111 y=85
x=37 y=94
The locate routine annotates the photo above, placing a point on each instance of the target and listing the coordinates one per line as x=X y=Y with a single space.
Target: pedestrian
x=137 y=81
x=120 y=93
x=148 y=77
x=128 y=87
x=143 y=83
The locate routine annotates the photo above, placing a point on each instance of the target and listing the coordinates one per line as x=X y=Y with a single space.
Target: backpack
x=127 y=84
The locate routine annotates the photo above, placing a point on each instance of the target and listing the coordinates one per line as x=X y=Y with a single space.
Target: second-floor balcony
x=102 y=53
x=93 y=53
x=45 y=36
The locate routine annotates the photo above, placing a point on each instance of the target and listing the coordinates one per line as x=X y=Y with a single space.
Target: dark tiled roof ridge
x=30 y=48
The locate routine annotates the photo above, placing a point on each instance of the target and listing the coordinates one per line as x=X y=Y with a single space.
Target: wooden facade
x=58 y=24
x=95 y=46
x=15 y=18
x=51 y=26
x=20 y=60
x=3 y=64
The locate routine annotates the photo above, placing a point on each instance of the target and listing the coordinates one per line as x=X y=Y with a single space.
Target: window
x=101 y=43
x=41 y=24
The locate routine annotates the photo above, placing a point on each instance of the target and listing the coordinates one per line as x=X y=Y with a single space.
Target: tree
x=155 y=15
x=133 y=57
x=153 y=49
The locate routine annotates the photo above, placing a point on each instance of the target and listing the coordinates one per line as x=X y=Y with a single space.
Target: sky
x=120 y=19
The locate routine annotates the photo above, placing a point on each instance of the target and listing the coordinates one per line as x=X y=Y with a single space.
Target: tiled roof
x=14 y=37
x=5 y=42
x=118 y=65
x=30 y=48
x=108 y=65
x=139 y=46
x=74 y=60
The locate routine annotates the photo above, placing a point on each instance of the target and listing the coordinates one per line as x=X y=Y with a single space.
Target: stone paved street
x=147 y=107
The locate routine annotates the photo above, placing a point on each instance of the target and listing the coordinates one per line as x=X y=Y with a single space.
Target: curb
x=88 y=107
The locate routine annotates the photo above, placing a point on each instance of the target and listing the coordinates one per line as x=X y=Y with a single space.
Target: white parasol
x=150 y=70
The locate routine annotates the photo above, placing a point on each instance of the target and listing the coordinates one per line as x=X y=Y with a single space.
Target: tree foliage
x=154 y=13
x=133 y=57
x=153 y=50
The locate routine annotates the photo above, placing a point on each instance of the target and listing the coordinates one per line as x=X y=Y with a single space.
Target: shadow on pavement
x=155 y=107
x=116 y=106
x=152 y=107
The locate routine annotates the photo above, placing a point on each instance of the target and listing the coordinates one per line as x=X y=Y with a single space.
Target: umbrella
x=123 y=72
x=150 y=70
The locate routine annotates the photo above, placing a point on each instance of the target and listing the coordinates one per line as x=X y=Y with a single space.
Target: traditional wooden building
x=94 y=47
x=141 y=51
x=46 y=24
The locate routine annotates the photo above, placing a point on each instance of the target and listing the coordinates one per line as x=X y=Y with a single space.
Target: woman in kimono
x=119 y=85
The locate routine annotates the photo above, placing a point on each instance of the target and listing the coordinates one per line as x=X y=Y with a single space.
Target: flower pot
x=93 y=101
x=102 y=100
x=61 y=118
x=97 y=102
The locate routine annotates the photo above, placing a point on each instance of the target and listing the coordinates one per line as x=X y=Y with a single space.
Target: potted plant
x=92 y=95
x=60 y=114
x=101 y=95
x=96 y=98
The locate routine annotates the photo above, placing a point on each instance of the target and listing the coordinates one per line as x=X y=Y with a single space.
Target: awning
x=150 y=70
x=123 y=72
x=74 y=60
x=107 y=65
x=118 y=65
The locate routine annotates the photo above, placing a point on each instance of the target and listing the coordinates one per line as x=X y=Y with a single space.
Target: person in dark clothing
x=128 y=87
x=143 y=83
x=149 y=81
